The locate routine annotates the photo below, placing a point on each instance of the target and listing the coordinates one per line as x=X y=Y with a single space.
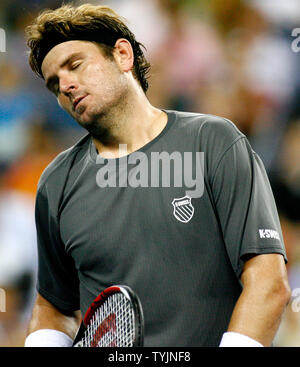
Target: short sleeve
x=57 y=277
x=245 y=205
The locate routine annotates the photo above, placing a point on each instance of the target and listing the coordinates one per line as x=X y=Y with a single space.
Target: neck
x=133 y=124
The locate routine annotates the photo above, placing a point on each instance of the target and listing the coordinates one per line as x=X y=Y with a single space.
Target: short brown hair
x=95 y=23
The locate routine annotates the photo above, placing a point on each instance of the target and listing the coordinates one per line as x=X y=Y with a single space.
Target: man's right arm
x=46 y=316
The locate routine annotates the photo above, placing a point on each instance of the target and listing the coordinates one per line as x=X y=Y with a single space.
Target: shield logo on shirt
x=183 y=209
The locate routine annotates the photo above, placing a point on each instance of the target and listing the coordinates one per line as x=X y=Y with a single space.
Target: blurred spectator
x=17 y=233
x=16 y=106
x=147 y=19
x=17 y=264
x=24 y=173
x=285 y=179
x=281 y=13
x=260 y=67
x=190 y=56
x=286 y=175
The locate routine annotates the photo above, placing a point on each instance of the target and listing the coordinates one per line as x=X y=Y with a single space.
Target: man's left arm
x=258 y=311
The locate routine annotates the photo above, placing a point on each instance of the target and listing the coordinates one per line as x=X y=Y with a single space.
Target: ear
x=123 y=54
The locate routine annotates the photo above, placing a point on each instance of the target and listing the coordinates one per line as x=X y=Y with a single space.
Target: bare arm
x=47 y=316
x=265 y=295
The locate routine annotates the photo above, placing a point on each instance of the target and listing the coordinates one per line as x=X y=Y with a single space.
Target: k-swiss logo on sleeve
x=268 y=233
x=183 y=209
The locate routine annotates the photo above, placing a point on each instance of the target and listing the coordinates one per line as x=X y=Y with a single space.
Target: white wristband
x=232 y=339
x=48 y=338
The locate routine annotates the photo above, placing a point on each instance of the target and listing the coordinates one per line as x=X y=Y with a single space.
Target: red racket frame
x=100 y=300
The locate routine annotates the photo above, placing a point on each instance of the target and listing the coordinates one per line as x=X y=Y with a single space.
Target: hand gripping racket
x=114 y=319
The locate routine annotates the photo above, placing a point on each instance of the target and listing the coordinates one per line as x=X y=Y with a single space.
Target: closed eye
x=72 y=62
x=75 y=65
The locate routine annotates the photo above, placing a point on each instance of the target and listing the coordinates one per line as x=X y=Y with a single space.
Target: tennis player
x=205 y=256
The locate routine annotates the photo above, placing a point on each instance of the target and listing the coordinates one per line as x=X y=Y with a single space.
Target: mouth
x=77 y=101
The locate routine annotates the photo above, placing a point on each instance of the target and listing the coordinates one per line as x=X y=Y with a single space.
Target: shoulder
x=62 y=162
x=207 y=124
x=213 y=133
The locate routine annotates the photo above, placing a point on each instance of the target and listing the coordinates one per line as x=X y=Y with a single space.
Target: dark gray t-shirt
x=172 y=221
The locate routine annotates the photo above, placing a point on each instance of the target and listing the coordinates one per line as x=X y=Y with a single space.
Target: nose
x=67 y=84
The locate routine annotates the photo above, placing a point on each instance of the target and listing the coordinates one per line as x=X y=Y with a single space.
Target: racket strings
x=112 y=325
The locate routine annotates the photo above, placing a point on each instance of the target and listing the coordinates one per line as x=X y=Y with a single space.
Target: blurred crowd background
x=231 y=58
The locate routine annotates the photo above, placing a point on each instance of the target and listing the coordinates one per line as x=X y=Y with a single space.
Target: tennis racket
x=114 y=319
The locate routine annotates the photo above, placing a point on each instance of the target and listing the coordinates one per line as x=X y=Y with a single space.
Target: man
x=208 y=264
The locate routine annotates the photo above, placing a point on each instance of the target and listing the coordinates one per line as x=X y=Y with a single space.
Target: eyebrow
x=66 y=61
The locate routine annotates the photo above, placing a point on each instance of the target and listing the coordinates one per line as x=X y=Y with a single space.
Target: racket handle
x=81 y=329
